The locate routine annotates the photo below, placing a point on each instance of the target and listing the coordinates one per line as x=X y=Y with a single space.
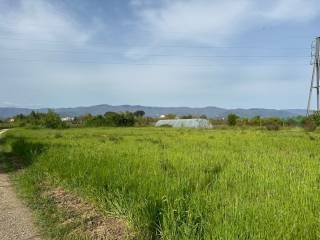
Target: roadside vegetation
x=165 y=183
x=247 y=178
x=138 y=119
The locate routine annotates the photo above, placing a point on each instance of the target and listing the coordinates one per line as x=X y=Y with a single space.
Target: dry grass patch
x=86 y=220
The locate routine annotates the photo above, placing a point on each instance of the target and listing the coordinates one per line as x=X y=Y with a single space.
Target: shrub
x=255 y=121
x=139 y=113
x=126 y=119
x=315 y=117
x=144 y=121
x=97 y=121
x=309 y=125
x=242 y=121
x=232 y=119
x=273 y=126
x=53 y=120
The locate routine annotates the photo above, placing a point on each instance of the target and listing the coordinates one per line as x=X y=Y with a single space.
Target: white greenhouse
x=187 y=123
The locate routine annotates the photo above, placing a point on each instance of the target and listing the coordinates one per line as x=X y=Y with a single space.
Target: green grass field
x=184 y=184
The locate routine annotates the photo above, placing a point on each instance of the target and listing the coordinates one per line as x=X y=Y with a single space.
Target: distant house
x=67 y=119
x=11 y=120
x=187 y=123
x=162 y=116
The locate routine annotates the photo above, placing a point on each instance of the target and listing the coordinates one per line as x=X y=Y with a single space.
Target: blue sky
x=244 y=53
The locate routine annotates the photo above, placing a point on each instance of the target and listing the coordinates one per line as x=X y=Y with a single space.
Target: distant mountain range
x=212 y=112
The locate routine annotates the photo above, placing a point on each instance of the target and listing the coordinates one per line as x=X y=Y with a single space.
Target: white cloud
x=212 y=21
x=196 y=20
x=293 y=10
x=41 y=20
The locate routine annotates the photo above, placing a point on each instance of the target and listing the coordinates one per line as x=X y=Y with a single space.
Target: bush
x=309 y=125
x=232 y=119
x=255 y=121
x=139 y=113
x=315 y=117
x=126 y=119
x=144 y=121
x=53 y=120
x=242 y=121
x=295 y=121
x=97 y=121
x=272 y=126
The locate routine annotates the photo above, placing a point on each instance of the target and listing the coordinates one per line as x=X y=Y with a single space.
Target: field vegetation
x=234 y=183
x=138 y=119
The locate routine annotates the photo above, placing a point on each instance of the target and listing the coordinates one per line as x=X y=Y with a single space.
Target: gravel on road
x=16 y=221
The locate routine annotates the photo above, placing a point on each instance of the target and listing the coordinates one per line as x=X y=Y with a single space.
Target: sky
x=233 y=54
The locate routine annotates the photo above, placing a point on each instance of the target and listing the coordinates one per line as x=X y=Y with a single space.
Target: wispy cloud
x=43 y=21
x=202 y=20
x=213 y=21
x=292 y=10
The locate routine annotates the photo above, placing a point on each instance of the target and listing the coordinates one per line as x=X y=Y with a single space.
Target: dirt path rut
x=16 y=222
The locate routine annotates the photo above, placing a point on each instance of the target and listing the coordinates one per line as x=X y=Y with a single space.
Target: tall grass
x=186 y=184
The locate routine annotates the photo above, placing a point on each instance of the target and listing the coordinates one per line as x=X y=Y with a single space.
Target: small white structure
x=11 y=120
x=187 y=123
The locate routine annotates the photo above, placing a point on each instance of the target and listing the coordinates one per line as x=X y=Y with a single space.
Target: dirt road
x=16 y=222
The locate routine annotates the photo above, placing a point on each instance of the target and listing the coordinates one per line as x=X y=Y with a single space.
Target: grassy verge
x=60 y=214
x=179 y=183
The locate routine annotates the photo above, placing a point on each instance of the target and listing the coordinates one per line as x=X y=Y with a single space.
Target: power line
x=138 y=63
x=13 y=24
x=155 y=45
x=157 y=55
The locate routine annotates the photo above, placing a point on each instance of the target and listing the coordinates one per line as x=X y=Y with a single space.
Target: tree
x=53 y=120
x=96 y=121
x=112 y=118
x=126 y=119
x=232 y=119
x=139 y=113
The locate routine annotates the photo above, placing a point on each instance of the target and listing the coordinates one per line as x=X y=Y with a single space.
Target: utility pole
x=315 y=81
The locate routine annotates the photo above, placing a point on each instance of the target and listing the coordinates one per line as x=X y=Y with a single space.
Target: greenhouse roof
x=188 y=123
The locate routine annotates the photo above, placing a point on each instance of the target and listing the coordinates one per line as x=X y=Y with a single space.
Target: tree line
x=53 y=120
x=129 y=119
x=309 y=123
